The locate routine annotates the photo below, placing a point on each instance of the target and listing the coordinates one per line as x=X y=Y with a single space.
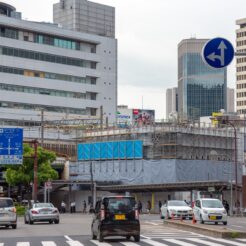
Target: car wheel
x=201 y=220
x=168 y=215
x=25 y=220
x=7 y=226
x=225 y=223
x=14 y=226
x=50 y=221
x=137 y=238
x=99 y=236
x=57 y=221
x=216 y=223
x=128 y=237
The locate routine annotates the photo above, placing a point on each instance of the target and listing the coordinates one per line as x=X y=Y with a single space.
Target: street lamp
x=225 y=121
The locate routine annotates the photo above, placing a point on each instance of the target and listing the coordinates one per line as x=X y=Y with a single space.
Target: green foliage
x=20 y=210
x=23 y=174
x=234 y=234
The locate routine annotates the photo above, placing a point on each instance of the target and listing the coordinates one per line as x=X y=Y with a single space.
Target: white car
x=176 y=209
x=210 y=210
x=8 y=215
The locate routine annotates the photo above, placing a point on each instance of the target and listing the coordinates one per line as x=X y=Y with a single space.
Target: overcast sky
x=148 y=32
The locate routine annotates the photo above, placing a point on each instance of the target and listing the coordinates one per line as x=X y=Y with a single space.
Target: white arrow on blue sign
x=218 y=53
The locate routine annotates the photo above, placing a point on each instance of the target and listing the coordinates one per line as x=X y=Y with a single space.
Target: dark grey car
x=8 y=215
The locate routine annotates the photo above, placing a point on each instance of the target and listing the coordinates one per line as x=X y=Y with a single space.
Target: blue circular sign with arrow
x=218 y=53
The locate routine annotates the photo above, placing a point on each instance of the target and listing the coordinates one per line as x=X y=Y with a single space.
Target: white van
x=8 y=215
x=210 y=210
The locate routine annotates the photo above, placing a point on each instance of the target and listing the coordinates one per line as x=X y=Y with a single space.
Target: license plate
x=213 y=217
x=120 y=217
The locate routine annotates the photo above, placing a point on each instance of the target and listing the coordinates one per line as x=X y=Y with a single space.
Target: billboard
x=130 y=149
x=143 y=117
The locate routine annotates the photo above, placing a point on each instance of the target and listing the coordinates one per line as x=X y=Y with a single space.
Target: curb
x=205 y=231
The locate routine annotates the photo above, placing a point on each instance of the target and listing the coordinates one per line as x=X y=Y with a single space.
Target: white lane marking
x=75 y=243
x=100 y=244
x=145 y=237
x=174 y=241
x=154 y=243
x=71 y=242
x=151 y=223
x=22 y=244
x=129 y=244
x=1 y=244
x=68 y=238
x=242 y=239
x=237 y=226
x=48 y=243
x=196 y=240
x=227 y=241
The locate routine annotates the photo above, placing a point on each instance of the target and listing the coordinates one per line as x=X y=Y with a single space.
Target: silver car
x=176 y=209
x=39 y=212
x=8 y=215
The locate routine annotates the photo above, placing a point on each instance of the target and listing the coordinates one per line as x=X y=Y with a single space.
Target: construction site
x=170 y=154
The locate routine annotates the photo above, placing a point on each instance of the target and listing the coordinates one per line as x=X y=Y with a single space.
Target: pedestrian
x=160 y=204
x=72 y=207
x=140 y=207
x=63 y=207
x=227 y=207
x=148 y=207
x=84 y=207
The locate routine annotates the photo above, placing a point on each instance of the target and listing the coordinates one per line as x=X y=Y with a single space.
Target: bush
x=20 y=210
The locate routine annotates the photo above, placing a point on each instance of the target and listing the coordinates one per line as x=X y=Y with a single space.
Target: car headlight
x=172 y=210
x=204 y=211
x=190 y=211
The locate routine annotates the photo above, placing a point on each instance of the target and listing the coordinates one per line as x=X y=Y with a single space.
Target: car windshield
x=114 y=204
x=43 y=205
x=212 y=204
x=177 y=203
x=6 y=203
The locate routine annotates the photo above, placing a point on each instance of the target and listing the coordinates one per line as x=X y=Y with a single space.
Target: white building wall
x=106 y=70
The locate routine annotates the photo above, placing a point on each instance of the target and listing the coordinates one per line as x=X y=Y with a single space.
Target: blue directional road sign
x=11 y=146
x=218 y=53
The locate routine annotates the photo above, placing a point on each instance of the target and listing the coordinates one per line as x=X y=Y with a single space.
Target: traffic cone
x=193 y=219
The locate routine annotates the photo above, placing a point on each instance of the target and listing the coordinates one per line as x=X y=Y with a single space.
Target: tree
x=23 y=174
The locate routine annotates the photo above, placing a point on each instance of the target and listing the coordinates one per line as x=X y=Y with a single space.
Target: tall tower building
x=201 y=89
x=171 y=102
x=241 y=67
x=84 y=16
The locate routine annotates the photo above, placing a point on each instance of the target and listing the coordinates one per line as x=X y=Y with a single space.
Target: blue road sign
x=11 y=146
x=218 y=53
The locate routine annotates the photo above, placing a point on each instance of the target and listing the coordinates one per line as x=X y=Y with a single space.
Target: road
x=74 y=230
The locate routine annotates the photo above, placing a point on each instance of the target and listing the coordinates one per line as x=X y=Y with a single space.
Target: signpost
x=218 y=53
x=11 y=146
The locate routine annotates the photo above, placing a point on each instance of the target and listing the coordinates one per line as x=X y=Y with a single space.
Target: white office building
x=171 y=102
x=241 y=67
x=65 y=73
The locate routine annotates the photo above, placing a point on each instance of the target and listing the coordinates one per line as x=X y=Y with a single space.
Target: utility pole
x=42 y=127
x=92 y=185
x=35 y=171
x=101 y=117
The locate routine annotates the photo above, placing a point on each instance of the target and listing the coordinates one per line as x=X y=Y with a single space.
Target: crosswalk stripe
x=100 y=244
x=154 y=243
x=129 y=244
x=242 y=239
x=209 y=243
x=22 y=244
x=75 y=243
x=227 y=241
x=48 y=243
x=179 y=242
x=1 y=244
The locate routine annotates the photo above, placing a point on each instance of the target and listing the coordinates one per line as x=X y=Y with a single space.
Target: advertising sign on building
x=143 y=117
x=124 y=116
